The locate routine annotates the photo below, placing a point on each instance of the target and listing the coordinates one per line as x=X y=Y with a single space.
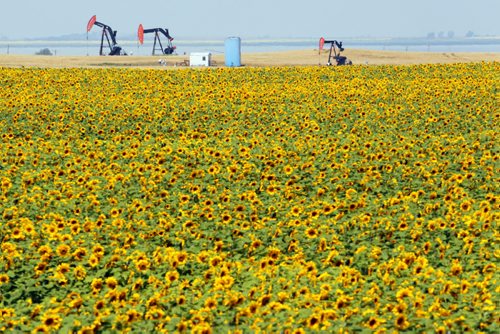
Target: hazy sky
x=253 y=18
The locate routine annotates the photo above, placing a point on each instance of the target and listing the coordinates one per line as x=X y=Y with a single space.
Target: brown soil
x=285 y=58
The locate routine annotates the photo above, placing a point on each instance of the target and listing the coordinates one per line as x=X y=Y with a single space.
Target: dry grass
x=285 y=58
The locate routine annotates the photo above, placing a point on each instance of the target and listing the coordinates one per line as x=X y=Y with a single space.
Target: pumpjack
x=168 y=50
x=110 y=35
x=334 y=55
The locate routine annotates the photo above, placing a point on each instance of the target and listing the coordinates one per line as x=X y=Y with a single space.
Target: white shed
x=199 y=59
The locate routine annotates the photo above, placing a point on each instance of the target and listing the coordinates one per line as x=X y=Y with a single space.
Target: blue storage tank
x=233 y=51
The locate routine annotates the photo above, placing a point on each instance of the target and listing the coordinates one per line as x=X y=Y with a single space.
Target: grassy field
x=286 y=58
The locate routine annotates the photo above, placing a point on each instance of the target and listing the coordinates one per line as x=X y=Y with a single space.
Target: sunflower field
x=289 y=200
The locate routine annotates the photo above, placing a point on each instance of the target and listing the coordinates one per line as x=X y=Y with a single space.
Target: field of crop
x=236 y=200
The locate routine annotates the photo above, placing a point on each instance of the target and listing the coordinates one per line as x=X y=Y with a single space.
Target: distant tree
x=469 y=34
x=431 y=35
x=451 y=34
x=441 y=34
x=44 y=52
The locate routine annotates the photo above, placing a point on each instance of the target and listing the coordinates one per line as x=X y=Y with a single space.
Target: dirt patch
x=282 y=58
